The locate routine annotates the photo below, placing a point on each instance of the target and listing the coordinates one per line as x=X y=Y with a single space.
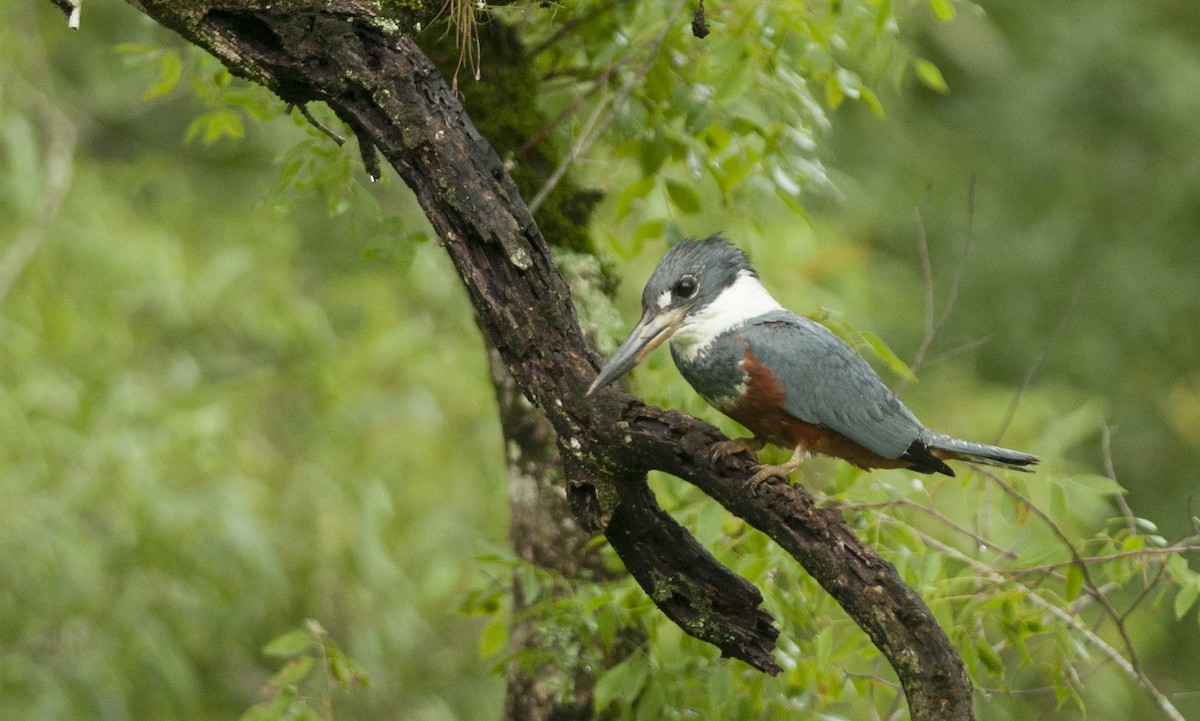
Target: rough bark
x=342 y=52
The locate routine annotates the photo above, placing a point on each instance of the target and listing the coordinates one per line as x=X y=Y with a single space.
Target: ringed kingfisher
x=787 y=378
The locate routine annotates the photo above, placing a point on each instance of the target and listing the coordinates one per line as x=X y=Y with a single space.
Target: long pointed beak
x=650 y=332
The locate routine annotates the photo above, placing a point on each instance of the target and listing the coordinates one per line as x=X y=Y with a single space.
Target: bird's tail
x=948 y=448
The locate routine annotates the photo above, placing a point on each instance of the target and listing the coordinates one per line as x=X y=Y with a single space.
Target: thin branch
x=1037 y=362
x=927 y=284
x=1146 y=589
x=1121 y=556
x=303 y=108
x=964 y=348
x=933 y=326
x=1106 y=454
x=960 y=270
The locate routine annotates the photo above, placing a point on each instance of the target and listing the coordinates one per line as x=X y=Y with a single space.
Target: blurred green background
x=230 y=402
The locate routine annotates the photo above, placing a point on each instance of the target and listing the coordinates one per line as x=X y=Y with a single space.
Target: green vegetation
x=240 y=386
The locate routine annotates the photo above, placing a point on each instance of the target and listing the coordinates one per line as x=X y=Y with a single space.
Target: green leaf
x=652 y=153
x=683 y=196
x=346 y=671
x=494 y=637
x=260 y=712
x=872 y=100
x=289 y=644
x=651 y=704
x=635 y=680
x=1060 y=506
x=931 y=566
x=720 y=689
x=930 y=76
x=170 y=71
x=1133 y=543
x=608 y=686
x=833 y=92
x=888 y=356
x=1074 y=581
x=649 y=230
x=634 y=191
x=1091 y=482
x=1186 y=598
x=293 y=672
x=213 y=126
x=988 y=656
x=943 y=9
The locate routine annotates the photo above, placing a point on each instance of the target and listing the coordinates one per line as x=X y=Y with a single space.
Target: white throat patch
x=744 y=299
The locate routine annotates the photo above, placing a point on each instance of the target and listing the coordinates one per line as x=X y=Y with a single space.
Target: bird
x=787 y=378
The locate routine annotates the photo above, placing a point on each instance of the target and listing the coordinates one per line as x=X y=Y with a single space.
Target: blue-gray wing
x=828 y=384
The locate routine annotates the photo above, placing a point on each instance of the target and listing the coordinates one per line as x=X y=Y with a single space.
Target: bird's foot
x=781 y=471
x=724 y=449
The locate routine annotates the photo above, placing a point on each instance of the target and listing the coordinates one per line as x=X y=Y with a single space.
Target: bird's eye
x=685 y=286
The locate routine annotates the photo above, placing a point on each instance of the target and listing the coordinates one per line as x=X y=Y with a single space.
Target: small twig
x=1043 y=690
x=933 y=326
x=1193 y=521
x=960 y=271
x=927 y=283
x=1146 y=589
x=1106 y=454
x=964 y=348
x=1123 y=555
x=303 y=108
x=1037 y=362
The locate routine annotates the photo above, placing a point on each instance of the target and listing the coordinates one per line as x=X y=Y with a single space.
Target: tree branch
x=344 y=53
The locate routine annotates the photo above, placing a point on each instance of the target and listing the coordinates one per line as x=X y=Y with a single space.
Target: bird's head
x=687 y=280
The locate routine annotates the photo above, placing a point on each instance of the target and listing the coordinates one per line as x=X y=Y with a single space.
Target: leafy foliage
x=731 y=117
x=301 y=649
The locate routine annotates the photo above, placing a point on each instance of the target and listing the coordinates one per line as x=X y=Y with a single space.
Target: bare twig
x=964 y=348
x=1121 y=556
x=1037 y=362
x=934 y=325
x=1106 y=453
x=927 y=283
x=303 y=108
